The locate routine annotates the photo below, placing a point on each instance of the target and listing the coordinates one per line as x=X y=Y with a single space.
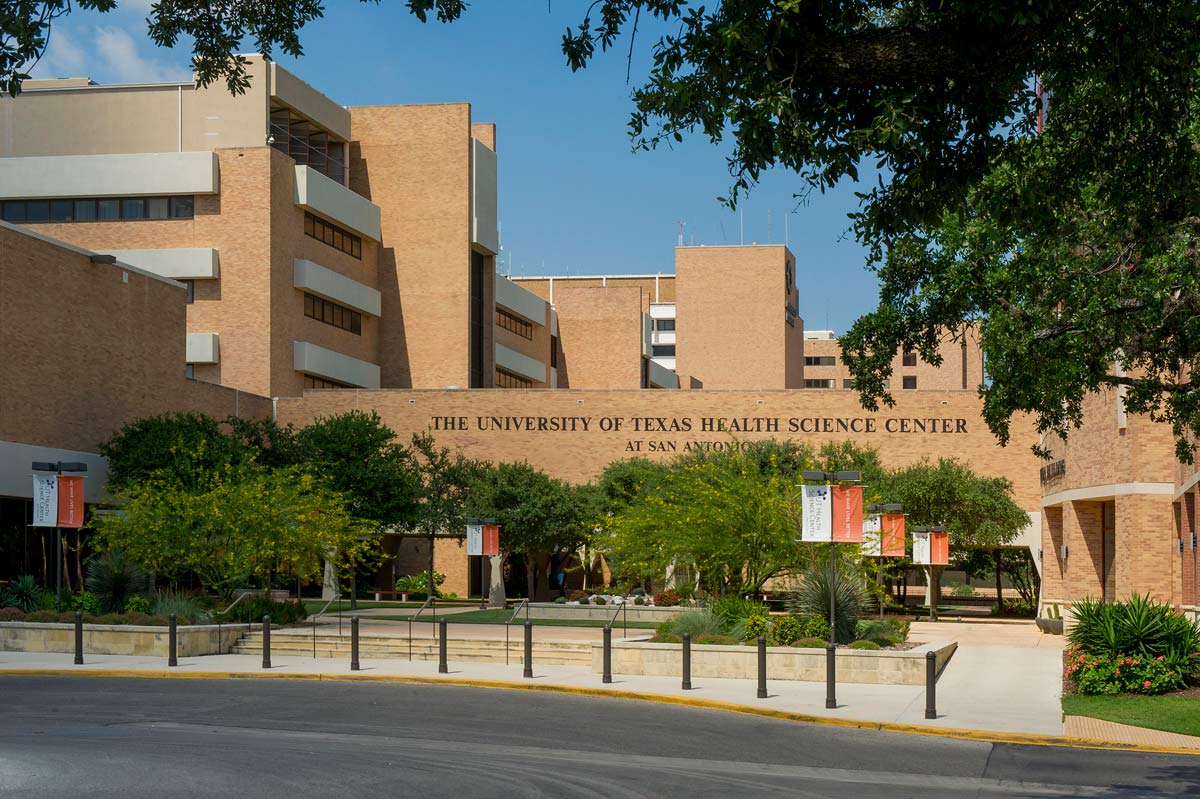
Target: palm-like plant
x=23 y=594
x=811 y=598
x=114 y=578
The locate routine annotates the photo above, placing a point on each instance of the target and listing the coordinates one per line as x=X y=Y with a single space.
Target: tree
x=538 y=515
x=979 y=512
x=246 y=523
x=189 y=447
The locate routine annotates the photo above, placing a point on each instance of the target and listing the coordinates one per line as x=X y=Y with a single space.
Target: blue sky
x=574 y=199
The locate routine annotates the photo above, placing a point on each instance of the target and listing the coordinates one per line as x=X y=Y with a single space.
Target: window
x=663 y=351
x=514 y=324
x=320 y=382
x=333 y=235
x=109 y=209
x=910 y=381
x=191 y=290
x=910 y=359
x=847 y=382
x=820 y=360
x=824 y=383
x=554 y=352
x=664 y=324
x=332 y=314
x=509 y=380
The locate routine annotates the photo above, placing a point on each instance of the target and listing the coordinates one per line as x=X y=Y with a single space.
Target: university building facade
x=276 y=253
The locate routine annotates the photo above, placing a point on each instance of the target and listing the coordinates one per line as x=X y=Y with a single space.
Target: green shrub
x=885 y=632
x=253 y=610
x=716 y=639
x=114 y=578
x=785 y=629
x=417 y=584
x=812 y=599
x=23 y=594
x=1140 y=628
x=138 y=604
x=695 y=623
x=666 y=638
x=963 y=590
x=732 y=610
x=817 y=627
x=753 y=627
x=666 y=599
x=600 y=601
x=188 y=609
x=46 y=601
x=864 y=645
x=86 y=601
x=810 y=643
x=1100 y=675
x=638 y=600
x=577 y=596
x=560 y=600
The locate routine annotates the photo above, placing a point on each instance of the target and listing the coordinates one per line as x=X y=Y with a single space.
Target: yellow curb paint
x=983 y=736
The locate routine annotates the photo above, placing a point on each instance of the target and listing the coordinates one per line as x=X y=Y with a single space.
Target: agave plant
x=114 y=579
x=812 y=599
x=1139 y=626
x=23 y=594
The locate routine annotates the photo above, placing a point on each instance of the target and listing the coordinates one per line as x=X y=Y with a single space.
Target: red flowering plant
x=666 y=599
x=1123 y=674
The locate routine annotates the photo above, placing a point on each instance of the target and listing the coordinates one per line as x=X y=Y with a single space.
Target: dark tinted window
x=62 y=210
x=14 y=211
x=37 y=211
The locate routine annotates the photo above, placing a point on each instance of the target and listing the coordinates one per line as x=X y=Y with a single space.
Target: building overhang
x=314 y=192
x=118 y=175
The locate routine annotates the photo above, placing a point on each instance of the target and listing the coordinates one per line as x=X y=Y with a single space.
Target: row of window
x=334 y=236
x=662 y=351
x=509 y=380
x=91 y=209
x=319 y=382
x=909 y=381
x=663 y=325
x=332 y=314
x=820 y=360
x=514 y=324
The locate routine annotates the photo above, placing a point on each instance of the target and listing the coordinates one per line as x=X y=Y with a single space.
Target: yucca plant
x=729 y=610
x=114 y=579
x=812 y=599
x=1139 y=626
x=187 y=609
x=24 y=594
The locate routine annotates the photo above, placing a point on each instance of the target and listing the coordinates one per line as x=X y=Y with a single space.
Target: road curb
x=983 y=736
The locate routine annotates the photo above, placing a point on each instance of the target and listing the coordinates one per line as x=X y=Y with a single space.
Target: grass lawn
x=1179 y=714
x=501 y=616
x=315 y=605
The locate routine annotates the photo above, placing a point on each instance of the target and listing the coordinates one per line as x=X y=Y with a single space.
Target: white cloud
x=63 y=58
x=123 y=63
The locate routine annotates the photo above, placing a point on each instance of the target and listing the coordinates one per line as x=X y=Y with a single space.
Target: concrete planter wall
x=882 y=667
x=554 y=610
x=115 y=639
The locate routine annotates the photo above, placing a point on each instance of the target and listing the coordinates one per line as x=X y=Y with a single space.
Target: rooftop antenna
x=742 y=226
x=785 y=229
x=681 y=233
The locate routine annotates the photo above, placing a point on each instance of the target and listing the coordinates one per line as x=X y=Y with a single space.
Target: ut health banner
x=893 y=535
x=57 y=501
x=847 y=515
x=483 y=539
x=474 y=539
x=931 y=549
x=816 y=511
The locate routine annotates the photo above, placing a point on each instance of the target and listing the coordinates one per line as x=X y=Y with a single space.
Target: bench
x=403 y=595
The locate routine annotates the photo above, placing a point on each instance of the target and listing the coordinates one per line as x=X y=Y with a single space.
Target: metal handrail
x=413 y=618
x=524 y=603
x=620 y=611
x=317 y=615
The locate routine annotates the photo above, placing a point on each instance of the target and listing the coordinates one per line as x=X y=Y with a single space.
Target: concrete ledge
x=871 y=667
x=118 y=639
x=554 y=610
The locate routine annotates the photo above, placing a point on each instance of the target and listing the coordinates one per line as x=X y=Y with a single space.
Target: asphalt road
x=84 y=737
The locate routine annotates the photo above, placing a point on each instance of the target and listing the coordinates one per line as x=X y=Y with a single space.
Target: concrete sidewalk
x=973 y=692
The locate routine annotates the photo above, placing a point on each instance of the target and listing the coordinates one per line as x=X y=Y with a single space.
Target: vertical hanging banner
x=45 y=500
x=847 y=515
x=491 y=540
x=893 y=535
x=921 y=550
x=474 y=539
x=939 y=549
x=70 y=501
x=871 y=530
x=816 y=513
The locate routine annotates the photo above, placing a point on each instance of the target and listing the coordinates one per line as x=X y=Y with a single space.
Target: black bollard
x=266 y=642
x=830 y=676
x=528 y=649
x=354 y=644
x=172 y=642
x=443 y=667
x=79 y=638
x=930 y=685
x=762 y=667
x=607 y=654
x=687 y=661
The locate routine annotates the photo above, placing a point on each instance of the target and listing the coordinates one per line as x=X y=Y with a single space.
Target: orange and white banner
x=939 y=549
x=45 y=500
x=847 y=515
x=491 y=540
x=893 y=535
x=70 y=501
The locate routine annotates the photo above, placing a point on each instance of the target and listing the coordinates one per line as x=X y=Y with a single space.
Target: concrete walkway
x=1100 y=730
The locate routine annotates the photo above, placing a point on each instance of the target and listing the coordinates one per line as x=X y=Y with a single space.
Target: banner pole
x=58 y=570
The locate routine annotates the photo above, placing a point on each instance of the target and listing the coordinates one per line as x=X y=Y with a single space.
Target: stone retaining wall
x=556 y=610
x=875 y=667
x=114 y=639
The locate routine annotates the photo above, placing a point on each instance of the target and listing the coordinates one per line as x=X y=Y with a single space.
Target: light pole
x=810 y=476
x=876 y=507
x=58 y=467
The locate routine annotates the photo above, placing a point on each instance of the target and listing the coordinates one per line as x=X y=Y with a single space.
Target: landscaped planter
x=875 y=667
x=1050 y=626
x=631 y=612
x=118 y=639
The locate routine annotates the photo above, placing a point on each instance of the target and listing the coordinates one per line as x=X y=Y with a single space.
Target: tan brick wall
x=730 y=316
x=948 y=376
x=414 y=162
x=89 y=347
x=600 y=331
x=662 y=286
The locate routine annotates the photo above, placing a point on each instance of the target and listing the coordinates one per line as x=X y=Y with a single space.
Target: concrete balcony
x=661 y=377
x=335 y=366
x=203 y=348
x=330 y=199
x=520 y=301
x=180 y=263
x=324 y=282
x=512 y=361
x=121 y=175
